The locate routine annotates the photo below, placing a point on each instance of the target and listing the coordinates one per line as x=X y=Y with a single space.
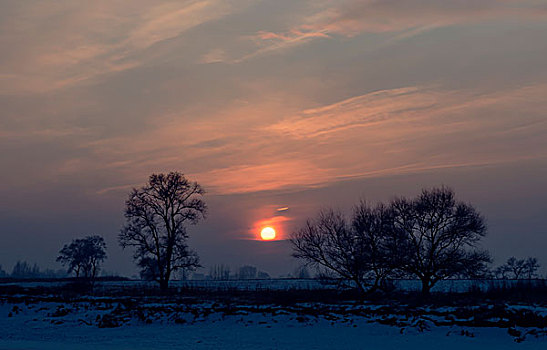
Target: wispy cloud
x=58 y=44
x=402 y=18
x=213 y=56
x=365 y=110
x=246 y=128
x=269 y=41
x=383 y=133
x=415 y=129
x=278 y=174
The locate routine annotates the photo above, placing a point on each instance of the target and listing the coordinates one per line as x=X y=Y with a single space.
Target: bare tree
x=23 y=269
x=327 y=242
x=355 y=251
x=301 y=272
x=83 y=256
x=219 y=272
x=441 y=237
x=262 y=275
x=501 y=272
x=156 y=218
x=381 y=244
x=518 y=268
x=531 y=268
x=247 y=272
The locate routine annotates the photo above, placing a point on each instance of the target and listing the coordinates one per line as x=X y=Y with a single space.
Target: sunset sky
x=269 y=105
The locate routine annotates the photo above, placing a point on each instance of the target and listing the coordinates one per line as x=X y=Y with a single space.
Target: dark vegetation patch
x=524 y=291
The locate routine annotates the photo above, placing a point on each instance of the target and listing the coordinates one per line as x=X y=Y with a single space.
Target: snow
x=132 y=322
x=54 y=325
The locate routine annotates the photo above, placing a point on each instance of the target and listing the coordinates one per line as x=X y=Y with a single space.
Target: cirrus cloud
x=402 y=18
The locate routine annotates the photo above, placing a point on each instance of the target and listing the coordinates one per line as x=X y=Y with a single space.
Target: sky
x=268 y=104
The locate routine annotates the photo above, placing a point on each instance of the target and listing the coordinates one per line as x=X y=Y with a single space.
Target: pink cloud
x=383 y=133
x=293 y=35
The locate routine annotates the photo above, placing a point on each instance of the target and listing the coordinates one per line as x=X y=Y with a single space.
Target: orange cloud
x=382 y=133
x=275 y=175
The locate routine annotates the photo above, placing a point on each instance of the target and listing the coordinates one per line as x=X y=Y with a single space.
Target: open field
x=200 y=315
x=87 y=325
x=280 y=284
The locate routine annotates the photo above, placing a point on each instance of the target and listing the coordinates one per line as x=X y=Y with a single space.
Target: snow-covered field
x=127 y=324
x=117 y=318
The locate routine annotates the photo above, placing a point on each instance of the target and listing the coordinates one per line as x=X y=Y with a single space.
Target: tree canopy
x=157 y=216
x=431 y=237
x=83 y=256
x=441 y=237
x=360 y=250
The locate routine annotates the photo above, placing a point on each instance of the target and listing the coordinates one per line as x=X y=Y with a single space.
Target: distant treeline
x=224 y=272
x=23 y=269
x=26 y=270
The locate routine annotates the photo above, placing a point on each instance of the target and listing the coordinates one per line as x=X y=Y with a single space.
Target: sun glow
x=267 y=233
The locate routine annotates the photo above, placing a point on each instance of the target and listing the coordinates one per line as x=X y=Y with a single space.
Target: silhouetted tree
x=262 y=275
x=518 y=268
x=362 y=251
x=247 y=272
x=382 y=245
x=531 y=268
x=149 y=269
x=22 y=269
x=83 y=256
x=302 y=272
x=441 y=237
x=219 y=272
x=156 y=218
x=513 y=268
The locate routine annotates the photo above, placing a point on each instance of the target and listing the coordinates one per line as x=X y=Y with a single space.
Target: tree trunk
x=359 y=286
x=164 y=285
x=375 y=286
x=426 y=286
